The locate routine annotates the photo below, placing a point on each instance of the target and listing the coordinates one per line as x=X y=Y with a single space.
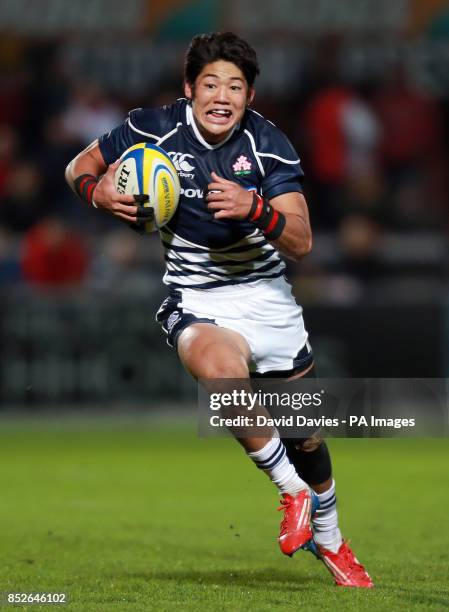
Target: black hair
x=207 y=48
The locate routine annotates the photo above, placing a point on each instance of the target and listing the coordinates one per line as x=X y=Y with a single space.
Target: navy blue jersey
x=201 y=251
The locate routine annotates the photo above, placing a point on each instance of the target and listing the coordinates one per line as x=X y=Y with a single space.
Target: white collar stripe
x=133 y=127
x=191 y=121
x=166 y=136
x=259 y=115
x=256 y=154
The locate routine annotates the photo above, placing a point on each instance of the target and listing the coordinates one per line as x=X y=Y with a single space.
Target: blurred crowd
x=375 y=156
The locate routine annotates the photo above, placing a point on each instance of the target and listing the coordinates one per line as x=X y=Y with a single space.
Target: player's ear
x=250 y=97
x=188 y=90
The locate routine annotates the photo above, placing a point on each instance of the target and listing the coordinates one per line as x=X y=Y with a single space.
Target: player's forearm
x=89 y=161
x=284 y=221
x=295 y=240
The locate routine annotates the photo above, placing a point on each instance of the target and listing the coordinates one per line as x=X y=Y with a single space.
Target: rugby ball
x=147 y=169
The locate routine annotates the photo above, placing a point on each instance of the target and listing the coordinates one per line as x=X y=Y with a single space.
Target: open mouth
x=219 y=114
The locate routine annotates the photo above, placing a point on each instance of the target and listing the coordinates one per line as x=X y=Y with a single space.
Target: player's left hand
x=229 y=200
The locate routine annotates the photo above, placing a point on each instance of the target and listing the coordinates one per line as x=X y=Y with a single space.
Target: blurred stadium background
x=361 y=88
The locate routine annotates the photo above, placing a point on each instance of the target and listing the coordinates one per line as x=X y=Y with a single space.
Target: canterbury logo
x=181 y=162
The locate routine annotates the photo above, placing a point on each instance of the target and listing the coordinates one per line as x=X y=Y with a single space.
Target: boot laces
x=351 y=561
x=286 y=505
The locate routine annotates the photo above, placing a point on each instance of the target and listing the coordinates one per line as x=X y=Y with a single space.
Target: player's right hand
x=107 y=198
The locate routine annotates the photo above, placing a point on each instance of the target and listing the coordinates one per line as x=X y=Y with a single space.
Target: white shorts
x=264 y=312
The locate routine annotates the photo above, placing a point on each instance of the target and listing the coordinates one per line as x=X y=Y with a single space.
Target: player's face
x=219 y=97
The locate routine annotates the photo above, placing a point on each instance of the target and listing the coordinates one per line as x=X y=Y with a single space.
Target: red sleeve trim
x=90 y=191
x=260 y=203
x=273 y=223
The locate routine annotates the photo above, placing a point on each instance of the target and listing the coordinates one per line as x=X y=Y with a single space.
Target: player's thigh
x=208 y=351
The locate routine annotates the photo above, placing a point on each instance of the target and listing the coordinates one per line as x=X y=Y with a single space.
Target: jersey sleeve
x=141 y=125
x=283 y=172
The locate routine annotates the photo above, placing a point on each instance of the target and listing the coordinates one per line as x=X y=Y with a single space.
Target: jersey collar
x=190 y=119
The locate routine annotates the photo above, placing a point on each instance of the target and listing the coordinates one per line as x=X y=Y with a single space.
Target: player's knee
x=214 y=361
x=314 y=464
x=228 y=366
x=212 y=354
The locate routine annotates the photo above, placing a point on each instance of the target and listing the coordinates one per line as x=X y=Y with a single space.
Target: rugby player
x=230 y=312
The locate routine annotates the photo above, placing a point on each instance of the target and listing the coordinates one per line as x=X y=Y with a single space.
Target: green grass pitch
x=147 y=516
